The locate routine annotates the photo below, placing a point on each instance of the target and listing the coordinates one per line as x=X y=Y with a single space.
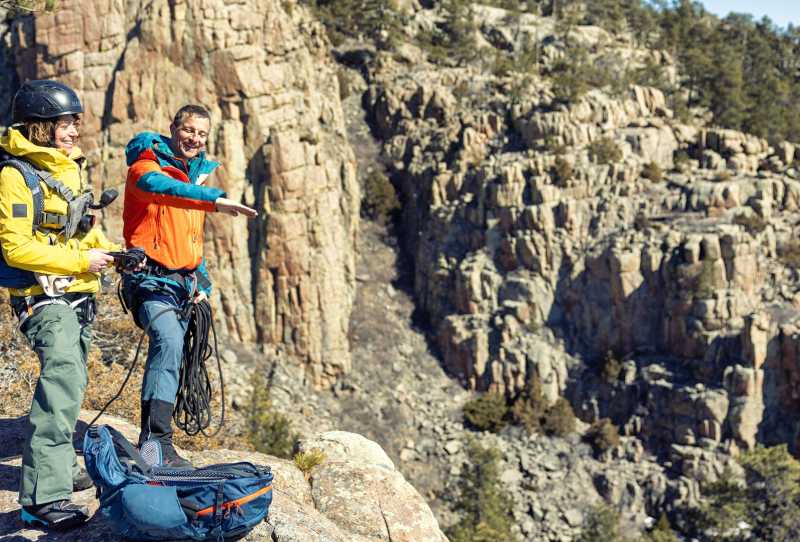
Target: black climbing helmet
x=44 y=99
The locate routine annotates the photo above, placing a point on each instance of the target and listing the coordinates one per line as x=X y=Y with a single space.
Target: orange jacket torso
x=165 y=205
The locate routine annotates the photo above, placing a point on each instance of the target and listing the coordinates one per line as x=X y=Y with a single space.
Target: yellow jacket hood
x=47 y=158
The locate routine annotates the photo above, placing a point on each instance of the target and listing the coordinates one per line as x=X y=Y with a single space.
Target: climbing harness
x=83 y=304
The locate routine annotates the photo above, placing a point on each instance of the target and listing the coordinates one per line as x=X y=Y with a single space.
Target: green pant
x=48 y=459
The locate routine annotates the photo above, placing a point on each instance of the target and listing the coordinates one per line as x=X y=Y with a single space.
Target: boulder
x=348 y=499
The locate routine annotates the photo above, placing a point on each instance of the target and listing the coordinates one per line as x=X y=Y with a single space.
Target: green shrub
x=484 y=504
x=723 y=176
x=29 y=5
x=531 y=410
x=453 y=40
x=753 y=223
x=562 y=171
x=662 y=532
x=600 y=524
x=487 y=412
x=268 y=431
x=768 y=499
x=650 y=75
x=530 y=405
x=575 y=73
x=789 y=253
x=605 y=151
x=373 y=20
x=603 y=435
x=603 y=524
x=653 y=172
x=559 y=419
x=524 y=61
x=641 y=221
x=681 y=160
x=379 y=199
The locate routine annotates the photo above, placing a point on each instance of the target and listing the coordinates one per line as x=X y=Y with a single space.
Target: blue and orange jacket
x=165 y=202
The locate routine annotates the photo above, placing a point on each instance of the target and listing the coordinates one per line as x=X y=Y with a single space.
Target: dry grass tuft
x=113 y=347
x=19 y=366
x=306 y=461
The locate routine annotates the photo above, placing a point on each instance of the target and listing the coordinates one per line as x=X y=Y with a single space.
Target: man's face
x=189 y=138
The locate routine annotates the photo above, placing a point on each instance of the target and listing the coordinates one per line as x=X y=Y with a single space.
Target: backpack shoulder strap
x=126 y=452
x=32 y=177
x=47 y=178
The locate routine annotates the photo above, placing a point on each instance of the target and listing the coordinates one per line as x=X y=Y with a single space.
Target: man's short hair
x=190 y=110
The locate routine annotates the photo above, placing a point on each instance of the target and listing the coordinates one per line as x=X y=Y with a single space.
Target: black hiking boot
x=157 y=424
x=82 y=481
x=58 y=515
x=172 y=459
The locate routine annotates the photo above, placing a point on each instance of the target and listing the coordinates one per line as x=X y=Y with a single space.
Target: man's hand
x=230 y=207
x=199 y=298
x=98 y=260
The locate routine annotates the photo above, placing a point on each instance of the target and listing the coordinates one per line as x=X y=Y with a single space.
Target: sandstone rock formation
x=345 y=499
x=539 y=251
x=263 y=70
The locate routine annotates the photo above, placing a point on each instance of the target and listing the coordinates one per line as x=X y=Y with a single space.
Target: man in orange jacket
x=165 y=206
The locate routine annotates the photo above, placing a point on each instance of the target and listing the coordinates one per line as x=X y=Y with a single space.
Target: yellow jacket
x=42 y=252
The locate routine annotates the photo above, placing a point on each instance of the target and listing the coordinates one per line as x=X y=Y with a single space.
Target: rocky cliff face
x=262 y=68
x=547 y=236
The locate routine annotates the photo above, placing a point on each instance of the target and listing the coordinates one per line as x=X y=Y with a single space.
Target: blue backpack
x=150 y=502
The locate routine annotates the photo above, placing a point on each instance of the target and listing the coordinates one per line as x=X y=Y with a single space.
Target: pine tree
x=485 y=506
x=726 y=93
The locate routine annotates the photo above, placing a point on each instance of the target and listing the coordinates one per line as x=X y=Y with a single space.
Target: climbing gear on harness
x=44 y=99
x=83 y=304
x=56 y=515
x=128 y=292
x=183 y=277
x=53 y=285
x=147 y=501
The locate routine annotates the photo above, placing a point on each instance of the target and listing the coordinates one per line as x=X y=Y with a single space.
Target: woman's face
x=66 y=133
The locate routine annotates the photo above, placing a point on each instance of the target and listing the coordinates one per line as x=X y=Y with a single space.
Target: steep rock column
x=262 y=68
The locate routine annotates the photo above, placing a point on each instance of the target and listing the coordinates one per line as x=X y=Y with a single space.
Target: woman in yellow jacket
x=56 y=323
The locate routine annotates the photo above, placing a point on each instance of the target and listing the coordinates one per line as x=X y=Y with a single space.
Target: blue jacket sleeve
x=203 y=280
x=158 y=183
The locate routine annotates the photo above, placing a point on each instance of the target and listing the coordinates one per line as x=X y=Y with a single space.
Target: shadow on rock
x=12 y=435
x=9 y=523
x=9 y=478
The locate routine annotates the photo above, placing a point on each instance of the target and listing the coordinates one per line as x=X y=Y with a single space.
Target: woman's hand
x=98 y=260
